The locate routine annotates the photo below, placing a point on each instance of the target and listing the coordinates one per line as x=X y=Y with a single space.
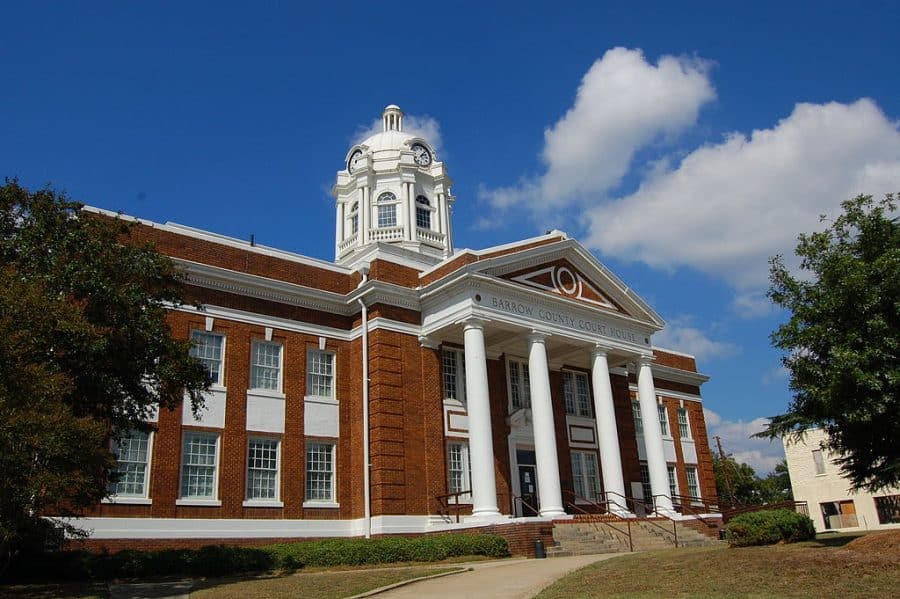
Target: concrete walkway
x=506 y=579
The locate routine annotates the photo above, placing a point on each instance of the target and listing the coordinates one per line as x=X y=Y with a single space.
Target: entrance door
x=528 y=484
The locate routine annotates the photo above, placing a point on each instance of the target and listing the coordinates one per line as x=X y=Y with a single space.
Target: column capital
x=644 y=360
x=473 y=322
x=430 y=343
x=598 y=351
x=537 y=336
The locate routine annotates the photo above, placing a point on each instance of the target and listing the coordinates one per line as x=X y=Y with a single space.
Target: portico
x=542 y=336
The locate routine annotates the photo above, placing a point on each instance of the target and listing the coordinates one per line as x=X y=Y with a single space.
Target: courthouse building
x=366 y=395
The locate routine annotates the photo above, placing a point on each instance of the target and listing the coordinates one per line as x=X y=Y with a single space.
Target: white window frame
x=637 y=417
x=257 y=343
x=353 y=218
x=423 y=208
x=673 y=479
x=386 y=203
x=318 y=502
x=684 y=424
x=465 y=470
x=818 y=457
x=218 y=381
x=131 y=498
x=457 y=378
x=587 y=467
x=663 y=419
x=209 y=500
x=646 y=487
x=310 y=352
x=522 y=384
x=577 y=403
x=691 y=472
x=275 y=501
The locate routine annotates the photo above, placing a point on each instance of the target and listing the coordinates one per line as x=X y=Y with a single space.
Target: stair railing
x=603 y=511
x=686 y=504
x=447 y=506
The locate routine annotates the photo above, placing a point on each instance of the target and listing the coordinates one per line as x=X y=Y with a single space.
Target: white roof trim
x=225 y=240
x=561 y=235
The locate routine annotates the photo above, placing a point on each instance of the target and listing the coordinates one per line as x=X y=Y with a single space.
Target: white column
x=653 y=441
x=481 y=442
x=544 y=431
x=365 y=213
x=339 y=228
x=607 y=433
x=406 y=209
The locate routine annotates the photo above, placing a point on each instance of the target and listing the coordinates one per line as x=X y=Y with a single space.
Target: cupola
x=393 y=193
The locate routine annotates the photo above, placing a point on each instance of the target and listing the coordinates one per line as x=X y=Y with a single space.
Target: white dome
x=388 y=140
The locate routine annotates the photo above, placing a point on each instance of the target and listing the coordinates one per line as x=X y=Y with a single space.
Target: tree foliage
x=85 y=351
x=738 y=484
x=842 y=341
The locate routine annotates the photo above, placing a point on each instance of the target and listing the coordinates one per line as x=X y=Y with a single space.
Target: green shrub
x=767 y=527
x=222 y=560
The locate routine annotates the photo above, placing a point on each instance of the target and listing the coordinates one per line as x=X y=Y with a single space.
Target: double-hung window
x=636 y=414
x=130 y=477
x=585 y=476
x=354 y=218
x=663 y=420
x=262 y=469
x=423 y=212
x=693 y=487
x=320 y=374
x=646 y=488
x=673 y=481
x=684 y=427
x=453 y=374
x=459 y=478
x=575 y=390
x=386 y=210
x=199 y=465
x=320 y=472
x=208 y=348
x=519 y=384
x=818 y=461
x=265 y=366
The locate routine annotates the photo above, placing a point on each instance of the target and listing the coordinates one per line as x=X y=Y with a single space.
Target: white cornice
x=677 y=375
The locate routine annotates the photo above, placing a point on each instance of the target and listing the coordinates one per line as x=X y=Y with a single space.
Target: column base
x=551 y=513
x=486 y=517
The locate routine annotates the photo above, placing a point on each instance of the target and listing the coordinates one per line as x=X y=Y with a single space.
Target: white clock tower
x=393 y=195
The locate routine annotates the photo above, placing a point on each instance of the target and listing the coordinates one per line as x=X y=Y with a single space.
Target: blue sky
x=683 y=144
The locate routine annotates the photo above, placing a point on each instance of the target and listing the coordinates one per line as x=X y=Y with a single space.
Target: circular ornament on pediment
x=566 y=281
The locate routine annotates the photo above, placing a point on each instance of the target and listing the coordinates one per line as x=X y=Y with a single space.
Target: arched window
x=354 y=218
x=423 y=212
x=387 y=210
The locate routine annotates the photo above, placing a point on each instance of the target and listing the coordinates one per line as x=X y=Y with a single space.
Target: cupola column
x=365 y=210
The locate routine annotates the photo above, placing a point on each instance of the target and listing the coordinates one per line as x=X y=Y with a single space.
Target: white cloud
x=624 y=103
x=762 y=454
x=752 y=304
x=778 y=373
x=422 y=126
x=681 y=336
x=727 y=207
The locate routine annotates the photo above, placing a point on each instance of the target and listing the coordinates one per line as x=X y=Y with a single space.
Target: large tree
x=842 y=341
x=737 y=484
x=85 y=352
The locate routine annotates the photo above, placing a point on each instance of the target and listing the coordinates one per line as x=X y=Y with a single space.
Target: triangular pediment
x=563 y=279
x=566 y=269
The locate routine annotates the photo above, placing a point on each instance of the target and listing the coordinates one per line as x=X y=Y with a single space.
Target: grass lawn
x=321 y=585
x=822 y=568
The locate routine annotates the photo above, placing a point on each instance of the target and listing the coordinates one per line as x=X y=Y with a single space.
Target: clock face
x=421 y=155
x=355 y=161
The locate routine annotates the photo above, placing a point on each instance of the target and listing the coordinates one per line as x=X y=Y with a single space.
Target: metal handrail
x=604 y=505
x=524 y=503
x=728 y=514
x=686 y=504
x=446 y=506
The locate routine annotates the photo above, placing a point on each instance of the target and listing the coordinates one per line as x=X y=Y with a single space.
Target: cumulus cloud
x=680 y=334
x=422 y=126
x=778 y=373
x=623 y=103
x=762 y=454
x=727 y=207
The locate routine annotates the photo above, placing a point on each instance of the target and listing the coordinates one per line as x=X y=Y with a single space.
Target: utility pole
x=723 y=460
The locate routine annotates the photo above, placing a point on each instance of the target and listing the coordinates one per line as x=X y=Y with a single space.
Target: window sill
x=262 y=503
x=127 y=501
x=318 y=504
x=265 y=393
x=199 y=502
x=319 y=399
